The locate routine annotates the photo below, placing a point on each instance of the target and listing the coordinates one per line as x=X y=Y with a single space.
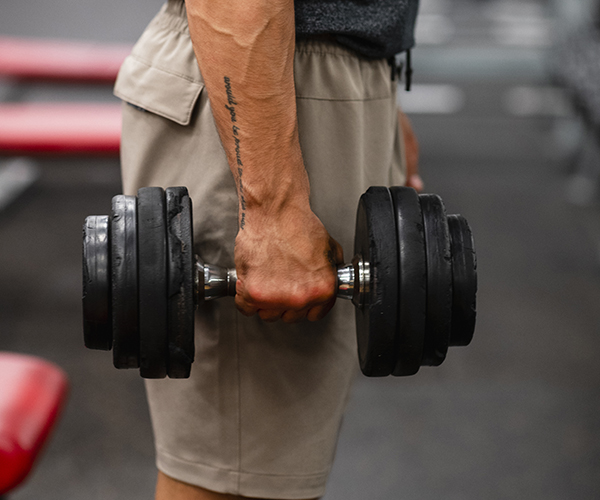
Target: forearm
x=284 y=257
x=245 y=50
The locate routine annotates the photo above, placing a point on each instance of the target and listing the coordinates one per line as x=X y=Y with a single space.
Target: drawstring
x=394 y=68
x=398 y=68
x=409 y=70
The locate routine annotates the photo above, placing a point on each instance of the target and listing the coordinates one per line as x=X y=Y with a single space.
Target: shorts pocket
x=158 y=91
x=161 y=74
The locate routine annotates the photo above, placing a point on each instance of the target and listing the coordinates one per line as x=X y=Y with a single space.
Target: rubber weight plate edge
x=152 y=282
x=124 y=271
x=97 y=331
x=439 y=280
x=180 y=260
x=464 y=281
x=377 y=318
x=412 y=283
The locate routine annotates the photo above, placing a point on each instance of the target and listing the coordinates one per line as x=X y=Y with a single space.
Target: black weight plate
x=97 y=333
x=439 y=280
x=124 y=270
x=464 y=281
x=152 y=282
x=180 y=260
x=377 y=319
x=412 y=281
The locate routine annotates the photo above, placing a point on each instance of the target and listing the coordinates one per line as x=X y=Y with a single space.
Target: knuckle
x=256 y=294
x=246 y=312
x=325 y=289
x=311 y=295
x=243 y=307
x=296 y=301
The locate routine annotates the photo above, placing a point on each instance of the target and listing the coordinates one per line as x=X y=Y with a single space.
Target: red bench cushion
x=61 y=59
x=63 y=128
x=32 y=392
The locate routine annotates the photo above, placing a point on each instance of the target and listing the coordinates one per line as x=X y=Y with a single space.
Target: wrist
x=277 y=186
x=275 y=196
x=278 y=216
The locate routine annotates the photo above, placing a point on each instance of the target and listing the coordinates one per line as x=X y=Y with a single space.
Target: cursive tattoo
x=230 y=106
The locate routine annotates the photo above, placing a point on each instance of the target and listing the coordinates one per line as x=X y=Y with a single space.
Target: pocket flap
x=151 y=88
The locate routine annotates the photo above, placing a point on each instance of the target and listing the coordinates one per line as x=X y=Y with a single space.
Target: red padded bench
x=64 y=60
x=32 y=393
x=61 y=128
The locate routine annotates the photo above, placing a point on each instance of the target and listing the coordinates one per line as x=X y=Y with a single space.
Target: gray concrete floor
x=514 y=415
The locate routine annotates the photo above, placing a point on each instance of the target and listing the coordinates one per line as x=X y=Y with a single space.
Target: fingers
x=269 y=316
x=289 y=316
x=318 y=313
x=414 y=181
x=243 y=306
x=294 y=316
x=312 y=303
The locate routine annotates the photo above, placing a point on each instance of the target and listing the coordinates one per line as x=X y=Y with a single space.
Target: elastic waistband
x=173 y=16
x=324 y=44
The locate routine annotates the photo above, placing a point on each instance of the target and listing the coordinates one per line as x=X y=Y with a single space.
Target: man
x=276 y=117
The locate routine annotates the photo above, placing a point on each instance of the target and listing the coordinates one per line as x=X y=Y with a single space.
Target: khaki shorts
x=261 y=413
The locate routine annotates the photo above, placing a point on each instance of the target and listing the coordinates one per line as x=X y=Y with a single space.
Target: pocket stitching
x=150 y=64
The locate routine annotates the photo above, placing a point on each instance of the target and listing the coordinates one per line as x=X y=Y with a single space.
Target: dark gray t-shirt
x=373 y=28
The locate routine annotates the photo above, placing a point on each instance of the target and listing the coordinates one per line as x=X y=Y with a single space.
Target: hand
x=286 y=266
x=411 y=145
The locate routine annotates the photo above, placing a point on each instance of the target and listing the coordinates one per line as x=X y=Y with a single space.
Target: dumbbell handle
x=214 y=282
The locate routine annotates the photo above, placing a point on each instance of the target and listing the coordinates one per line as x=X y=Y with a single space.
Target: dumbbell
x=413 y=282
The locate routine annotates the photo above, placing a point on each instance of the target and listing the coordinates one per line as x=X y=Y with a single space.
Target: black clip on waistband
x=398 y=68
x=409 y=70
